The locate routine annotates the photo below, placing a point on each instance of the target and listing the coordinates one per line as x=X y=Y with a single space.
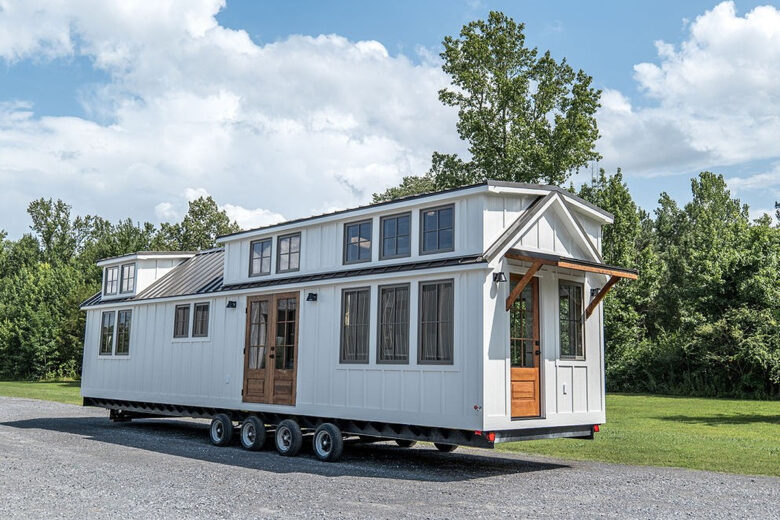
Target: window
x=128 y=278
x=395 y=239
x=111 y=284
x=288 y=253
x=436 y=322
x=181 y=321
x=354 y=325
x=570 y=313
x=107 y=333
x=393 y=342
x=437 y=230
x=260 y=257
x=200 y=320
x=286 y=309
x=357 y=242
x=123 y=320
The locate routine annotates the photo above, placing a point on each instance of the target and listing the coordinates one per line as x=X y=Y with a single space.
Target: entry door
x=271 y=349
x=524 y=351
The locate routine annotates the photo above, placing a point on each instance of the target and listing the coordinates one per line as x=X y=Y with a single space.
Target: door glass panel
x=521 y=329
x=285 y=334
x=258 y=334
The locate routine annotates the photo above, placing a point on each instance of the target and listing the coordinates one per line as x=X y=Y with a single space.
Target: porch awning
x=538 y=260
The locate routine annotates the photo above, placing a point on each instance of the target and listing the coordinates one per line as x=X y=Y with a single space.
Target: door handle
x=270 y=356
x=538 y=352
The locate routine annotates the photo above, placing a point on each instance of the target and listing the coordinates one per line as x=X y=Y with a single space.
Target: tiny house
x=470 y=316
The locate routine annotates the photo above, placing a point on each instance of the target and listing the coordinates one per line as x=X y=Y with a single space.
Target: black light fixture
x=499 y=277
x=231 y=304
x=311 y=297
x=594 y=291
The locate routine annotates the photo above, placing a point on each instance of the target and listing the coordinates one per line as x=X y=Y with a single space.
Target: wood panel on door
x=524 y=351
x=271 y=349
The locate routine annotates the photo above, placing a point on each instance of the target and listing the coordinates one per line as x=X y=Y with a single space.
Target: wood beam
x=537 y=264
x=596 y=269
x=600 y=296
x=531 y=259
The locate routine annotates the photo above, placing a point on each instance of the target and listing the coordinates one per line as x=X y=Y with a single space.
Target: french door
x=524 y=351
x=271 y=349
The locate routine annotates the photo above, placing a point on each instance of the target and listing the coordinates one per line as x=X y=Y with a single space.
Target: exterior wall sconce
x=594 y=291
x=499 y=277
x=231 y=304
x=311 y=297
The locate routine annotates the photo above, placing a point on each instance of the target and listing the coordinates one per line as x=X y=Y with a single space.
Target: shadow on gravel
x=189 y=439
x=737 y=418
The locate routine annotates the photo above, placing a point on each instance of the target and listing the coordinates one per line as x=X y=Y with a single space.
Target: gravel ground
x=64 y=461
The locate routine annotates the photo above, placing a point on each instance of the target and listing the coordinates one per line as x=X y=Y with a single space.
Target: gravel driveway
x=59 y=460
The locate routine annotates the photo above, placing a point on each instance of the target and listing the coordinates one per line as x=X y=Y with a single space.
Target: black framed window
x=436 y=342
x=393 y=328
x=355 y=312
x=111 y=284
x=260 y=257
x=357 y=242
x=123 y=322
x=107 y=333
x=288 y=253
x=200 y=320
x=181 y=321
x=571 y=319
x=437 y=227
x=395 y=236
x=128 y=278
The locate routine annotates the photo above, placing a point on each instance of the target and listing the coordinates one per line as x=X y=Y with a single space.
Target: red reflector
x=478 y=432
x=595 y=428
x=491 y=436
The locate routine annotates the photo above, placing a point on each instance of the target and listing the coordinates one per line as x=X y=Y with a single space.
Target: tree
x=202 y=224
x=60 y=237
x=527 y=117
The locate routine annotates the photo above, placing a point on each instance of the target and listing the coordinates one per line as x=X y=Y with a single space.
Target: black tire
x=221 y=430
x=445 y=448
x=252 y=434
x=328 y=442
x=403 y=443
x=289 y=438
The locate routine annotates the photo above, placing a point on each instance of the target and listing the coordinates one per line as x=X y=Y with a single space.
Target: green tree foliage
x=201 y=226
x=526 y=116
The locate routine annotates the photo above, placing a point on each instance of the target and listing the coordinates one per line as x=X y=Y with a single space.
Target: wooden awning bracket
x=600 y=296
x=518 y=289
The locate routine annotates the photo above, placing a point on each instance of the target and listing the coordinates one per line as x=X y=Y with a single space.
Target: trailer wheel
x=328 y=442
x=289 y=438
x=404 y=443
x=252 y=433
x=446 y=448
x=221 y=430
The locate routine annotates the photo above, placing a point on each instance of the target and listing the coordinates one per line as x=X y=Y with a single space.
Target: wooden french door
x=271 y=349
x=524 y=350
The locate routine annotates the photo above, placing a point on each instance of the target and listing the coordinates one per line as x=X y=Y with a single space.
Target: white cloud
x=712 y=100
x=290 y=126
x=252 y=218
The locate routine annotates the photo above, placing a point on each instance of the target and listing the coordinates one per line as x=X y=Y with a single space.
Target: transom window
x=111 y=284
x=355 y=312
x=570 y=316
x=200 y=320
x=437 y=227
x=395 y=236
x=181 y=321
x=436 y=342
x=260 y=257
x=288 y=253
x=128 y=278
x=393 y=341
x=357 y=242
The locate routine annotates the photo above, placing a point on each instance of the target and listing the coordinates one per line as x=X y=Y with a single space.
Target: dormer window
x=128 y=278
x=111 y=284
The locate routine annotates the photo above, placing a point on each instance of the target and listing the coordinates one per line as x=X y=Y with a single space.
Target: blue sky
x=133 y=110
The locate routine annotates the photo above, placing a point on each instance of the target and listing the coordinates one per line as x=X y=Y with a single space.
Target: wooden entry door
x=524 y=351
x=271 y=349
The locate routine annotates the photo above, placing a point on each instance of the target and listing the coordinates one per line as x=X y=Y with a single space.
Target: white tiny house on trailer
x=468 y=316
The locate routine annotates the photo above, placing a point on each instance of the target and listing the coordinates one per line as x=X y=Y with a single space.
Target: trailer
x=470 y=316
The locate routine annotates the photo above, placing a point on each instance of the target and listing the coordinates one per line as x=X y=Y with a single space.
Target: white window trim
x=189 y=337
x=115 y=337
x=105 y=280
x=135 y=278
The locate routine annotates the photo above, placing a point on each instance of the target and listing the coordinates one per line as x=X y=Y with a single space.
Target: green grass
x=60 y=391
x=731 y=436
x=712 y=434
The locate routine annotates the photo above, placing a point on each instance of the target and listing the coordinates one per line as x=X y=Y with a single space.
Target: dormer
x=127 y=275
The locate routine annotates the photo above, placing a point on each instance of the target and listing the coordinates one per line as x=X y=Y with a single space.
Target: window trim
x=129 y=334
x=575 y=357
x=270 y=240
x=380 y=361
x=420 y=285
x=370 y=222
x=422 y=229
x=105 y=280
x=279 y=252
x=187 y=327
x=121 y=278
x=382 y=256
x=113 y=335
x=342 y=361
x=194 y=320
